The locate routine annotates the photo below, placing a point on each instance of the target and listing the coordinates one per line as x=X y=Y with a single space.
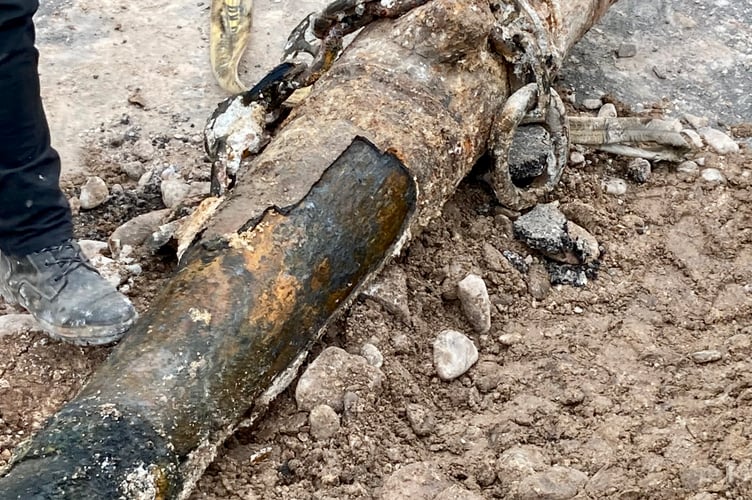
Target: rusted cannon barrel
x=368 y=159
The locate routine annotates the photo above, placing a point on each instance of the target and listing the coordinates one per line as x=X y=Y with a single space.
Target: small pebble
x=576 y=158
x=510 y=339
x=592 y=104
x=453 y=354
x=143 y=150
x=473 y=296
x=694 y=138
x=709 y=356
x=616 y=187
x=372 y=355
x=713 y=175
x=324 y=422
x=421 y=419
x=639 y=169
x=93 y=193
x=608 y=110
x=688 y=167
x=718 y=141
x=626 y=50
x=696 y=122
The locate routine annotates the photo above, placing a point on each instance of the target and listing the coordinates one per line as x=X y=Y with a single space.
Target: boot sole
x=88 y=335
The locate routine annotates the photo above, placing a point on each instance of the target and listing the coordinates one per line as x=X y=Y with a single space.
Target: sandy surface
x=599 y=380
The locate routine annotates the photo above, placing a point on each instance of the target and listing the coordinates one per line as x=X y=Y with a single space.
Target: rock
x=143 y=150
x=538 y=282
x=457 y=492
x=329 y=376
x=616 y=187
x=421 y=419
x=718 y=141
x=137 y=230
x=372 y=354
x=390 y=290
x=626 y=50
x=417 y=481
x=639 y=170
x=476 y=305
x=694 y=138
x=608 y=110
x=713 y=175
x=688 y=167
x=453 y=354
x=700 y=477
x=740 y=475
x=174 y=190
x=543 y=228
x=13 y=324
x=584 y=247
x=510 y=339
x=493 y=258
x=323 y=422
x=557 y=483
x=133 y=169
x=75 y=205
x=519 y=461
x=592 y=104
x=703 y=357
x=576 y=158
x=487 y=376
x=696 y=122
x=91 y=248
x=93 y=193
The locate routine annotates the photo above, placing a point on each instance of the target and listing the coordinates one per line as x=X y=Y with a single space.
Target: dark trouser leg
x=34 y=213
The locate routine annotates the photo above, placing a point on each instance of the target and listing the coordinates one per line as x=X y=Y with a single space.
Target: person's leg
x=41 y=267
x=34 y=213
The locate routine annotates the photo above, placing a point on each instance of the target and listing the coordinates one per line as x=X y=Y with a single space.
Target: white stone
x=576 y=158
x=473 y=296
x=372 y=355
x=694 y=138
x=592 y=104
x=696 y=122
x=90 y=248
x=719 y=141
x=93 y=193
x=713 y=175
x=453 y=354
x=616 y=187
x=174 y=190
x=608 y=110
x=688 y=167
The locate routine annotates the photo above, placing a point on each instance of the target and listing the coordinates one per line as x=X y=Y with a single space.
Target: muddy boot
x=66 y=295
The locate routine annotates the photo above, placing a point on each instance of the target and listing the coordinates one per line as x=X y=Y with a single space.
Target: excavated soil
x=641 y=379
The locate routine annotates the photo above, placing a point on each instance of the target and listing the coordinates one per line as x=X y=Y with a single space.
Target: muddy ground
x=605 y=379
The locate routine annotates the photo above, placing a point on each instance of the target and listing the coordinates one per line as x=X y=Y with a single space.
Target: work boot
x=66 y=295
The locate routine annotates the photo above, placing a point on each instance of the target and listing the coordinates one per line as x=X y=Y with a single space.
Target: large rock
x=333 y=373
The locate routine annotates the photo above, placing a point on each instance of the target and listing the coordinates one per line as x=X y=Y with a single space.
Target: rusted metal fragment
x=234 y=317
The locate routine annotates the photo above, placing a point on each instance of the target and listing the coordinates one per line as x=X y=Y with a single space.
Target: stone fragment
x=543 y=228
x=137 y=230
x=576 y=158
x=694 y=138
x=91 y=248
x=713 y=175
x=453 y=354
x=323 y=422
x=493 y=258
x=584 y=247
x=538 y=281
x=688 y=167
x=93 y=193
x=592 y=104
x=608 y=110
x=133 y=169
x=557 y=483
x=626 y=50
x=144 y=150
x=372 y=354
x=457 y=492
x=709 y=356
x=696 y=122
x=639 y=170
x=700 y=477
x=476 y=305
x=329 y=376
x=718 y=141
x=487 y=376
x=616 y=187
x=421 y=419
x=417 y=481
x=174 y=190
x=519 y=461
x=390 y=290
x=529 y=153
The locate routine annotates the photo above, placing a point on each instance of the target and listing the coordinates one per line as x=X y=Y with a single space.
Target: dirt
x=604 y=379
